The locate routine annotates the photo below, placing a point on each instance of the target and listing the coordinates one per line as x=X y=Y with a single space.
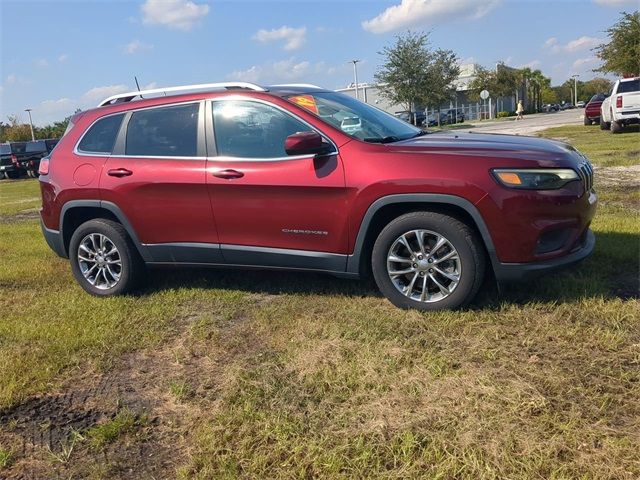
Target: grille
x=585 y=170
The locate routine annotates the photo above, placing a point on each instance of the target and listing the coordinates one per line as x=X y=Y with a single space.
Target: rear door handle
x=119 y=172
x=228 y=173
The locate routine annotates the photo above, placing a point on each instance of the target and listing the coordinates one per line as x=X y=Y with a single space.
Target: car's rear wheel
x=603 y=125
x=103 y=258
x=616 y=127
x=587 y=120
x=428 y=261
x=13 y=175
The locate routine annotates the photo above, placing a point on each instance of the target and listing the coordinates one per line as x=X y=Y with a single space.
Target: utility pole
x=575 y=89
x=33 y=137
x=355 y=76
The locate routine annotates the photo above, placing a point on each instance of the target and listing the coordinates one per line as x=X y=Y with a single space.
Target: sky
x=57 y=56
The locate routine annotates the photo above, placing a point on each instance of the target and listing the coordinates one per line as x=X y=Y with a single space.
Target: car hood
x=491 y=144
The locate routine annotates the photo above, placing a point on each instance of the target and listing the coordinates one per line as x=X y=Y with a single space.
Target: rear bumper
x=54 y=240
x=514 y=272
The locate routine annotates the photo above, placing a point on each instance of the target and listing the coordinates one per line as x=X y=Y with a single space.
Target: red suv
x=241 y=175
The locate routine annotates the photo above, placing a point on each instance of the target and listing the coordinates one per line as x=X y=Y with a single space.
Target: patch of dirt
x=20 y=216
x=39 y=431
x=617 y=176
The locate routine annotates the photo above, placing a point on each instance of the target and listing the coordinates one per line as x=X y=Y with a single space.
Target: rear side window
x=18 y=147
x=5 y=149
x=101 y=137
x=164 y=132
x=598 y=97
x=629 y=86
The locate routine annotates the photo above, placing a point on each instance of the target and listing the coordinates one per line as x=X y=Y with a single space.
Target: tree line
x=415 y=75
x=14 y=131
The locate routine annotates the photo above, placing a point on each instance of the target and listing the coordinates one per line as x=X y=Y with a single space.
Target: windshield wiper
x=420 y=133
x=389 y=139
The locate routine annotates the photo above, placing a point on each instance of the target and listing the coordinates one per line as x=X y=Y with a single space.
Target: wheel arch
x=385 y=209
x=75 y=212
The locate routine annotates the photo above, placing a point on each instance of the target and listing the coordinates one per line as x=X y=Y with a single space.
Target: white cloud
x=136 y=46
x=42 y=63
x=149 y=86
x=582 y=62
x=63 y=58
x=97 y=94
x=289 y=70
x=175 y=14
x=424 y=13
x=293 y=38
x=551 y=42
x=581 y=43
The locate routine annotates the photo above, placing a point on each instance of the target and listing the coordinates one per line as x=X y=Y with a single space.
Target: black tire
x=463 y=239
x=13 y=175
x=616 y=127
x=132 y=266
x=603 y=125
x=587 y=120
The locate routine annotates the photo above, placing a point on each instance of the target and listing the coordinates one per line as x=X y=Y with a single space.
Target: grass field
x=227 y=374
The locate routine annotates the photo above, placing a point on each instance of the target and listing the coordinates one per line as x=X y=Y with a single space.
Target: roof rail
x=305 y=85
x=127 y=97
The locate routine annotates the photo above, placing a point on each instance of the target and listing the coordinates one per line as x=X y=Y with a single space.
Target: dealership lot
x=212 y=373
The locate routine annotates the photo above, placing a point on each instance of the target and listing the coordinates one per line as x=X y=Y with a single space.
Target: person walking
x=520 y=111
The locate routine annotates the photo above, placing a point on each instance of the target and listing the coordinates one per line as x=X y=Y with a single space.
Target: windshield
x=39 y=146
x=355 y=118
x=598 y=97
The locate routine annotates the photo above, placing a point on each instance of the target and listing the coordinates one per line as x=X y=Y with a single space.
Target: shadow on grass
x=611 y=272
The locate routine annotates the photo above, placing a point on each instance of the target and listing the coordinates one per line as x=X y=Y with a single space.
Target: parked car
x=446 y=117
x=622 y=107
x=351 y=124
x=236 y=174
x=580 y=104
x=33 y=152
x=414 y=118
x=592 y=110
x=6 y=162
x=566 y=106
x=454 y=116
x=551 y=107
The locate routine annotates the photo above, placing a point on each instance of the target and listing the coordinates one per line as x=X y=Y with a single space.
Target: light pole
x=355 y=76
x=575 y=89
x=33 y=137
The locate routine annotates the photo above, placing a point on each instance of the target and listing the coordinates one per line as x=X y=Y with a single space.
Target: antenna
x=137 y=85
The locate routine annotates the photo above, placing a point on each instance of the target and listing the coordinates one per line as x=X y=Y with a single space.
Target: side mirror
x=305 y=143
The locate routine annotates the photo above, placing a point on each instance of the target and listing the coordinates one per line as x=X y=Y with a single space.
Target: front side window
x=248 y=129
x=164 y=132
x=101 y=137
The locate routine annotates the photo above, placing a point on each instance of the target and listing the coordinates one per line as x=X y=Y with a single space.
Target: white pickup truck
x=622 y=107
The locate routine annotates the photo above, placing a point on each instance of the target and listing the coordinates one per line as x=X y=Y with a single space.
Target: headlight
x=535 y=179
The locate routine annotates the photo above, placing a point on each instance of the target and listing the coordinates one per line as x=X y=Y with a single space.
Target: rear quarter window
x=101 y=136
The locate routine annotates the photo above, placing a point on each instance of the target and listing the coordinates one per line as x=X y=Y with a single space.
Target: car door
x=156 y=177
x=271 y=208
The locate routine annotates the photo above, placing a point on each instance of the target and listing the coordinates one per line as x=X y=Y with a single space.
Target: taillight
x=619 y=101
x=43 y=169
x=14 y=159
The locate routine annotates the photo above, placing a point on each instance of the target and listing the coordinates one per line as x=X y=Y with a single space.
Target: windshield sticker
x=306 y=101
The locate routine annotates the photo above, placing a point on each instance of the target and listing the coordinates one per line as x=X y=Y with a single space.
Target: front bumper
x=514 y=272
x=54 y=240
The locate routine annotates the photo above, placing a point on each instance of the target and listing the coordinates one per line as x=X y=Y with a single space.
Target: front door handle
x=119 y=172
x=228 y=173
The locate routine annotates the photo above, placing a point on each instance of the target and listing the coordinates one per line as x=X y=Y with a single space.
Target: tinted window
x=5 y=148
x=629 y=86
x=164 y=132
x=101 y=137
x=252 y=130
x=39 y=146
x=599 y=97
x=18 y=147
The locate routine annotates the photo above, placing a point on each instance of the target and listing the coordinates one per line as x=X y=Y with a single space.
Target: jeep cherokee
x=235 y=174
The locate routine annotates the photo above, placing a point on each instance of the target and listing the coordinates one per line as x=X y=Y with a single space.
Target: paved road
x=531 y=123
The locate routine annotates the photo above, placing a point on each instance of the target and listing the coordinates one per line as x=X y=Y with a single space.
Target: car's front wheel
x=428 y=261
x=103 y=258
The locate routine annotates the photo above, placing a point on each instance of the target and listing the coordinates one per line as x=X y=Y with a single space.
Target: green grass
x=302 y=375
x=5 y=457
x=601 y=146
x=19 y=196
x=124 y=422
